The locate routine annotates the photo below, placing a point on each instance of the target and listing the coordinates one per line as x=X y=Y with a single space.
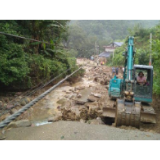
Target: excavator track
x=148 y=114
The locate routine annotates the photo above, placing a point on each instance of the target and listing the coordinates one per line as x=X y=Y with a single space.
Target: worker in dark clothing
x=117 y=71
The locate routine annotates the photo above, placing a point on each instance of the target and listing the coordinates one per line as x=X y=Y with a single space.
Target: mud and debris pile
x=84 y=107
x=85 y=101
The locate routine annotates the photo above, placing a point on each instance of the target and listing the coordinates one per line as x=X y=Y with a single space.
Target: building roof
x=105 y=54
x=118 y=43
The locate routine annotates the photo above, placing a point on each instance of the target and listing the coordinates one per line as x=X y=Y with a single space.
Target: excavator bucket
x=130 y=114
x=127 y=113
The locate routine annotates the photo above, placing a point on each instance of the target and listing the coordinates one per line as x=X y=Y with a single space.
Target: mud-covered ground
x=82 y=101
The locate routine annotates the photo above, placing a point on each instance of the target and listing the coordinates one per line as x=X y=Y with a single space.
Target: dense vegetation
x=24 y=63
x=83 y=34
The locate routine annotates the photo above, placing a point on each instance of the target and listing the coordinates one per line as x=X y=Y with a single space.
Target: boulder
x=94 y=121
x=13 y=111
x=80 y=87
x=27 y=99
x=20 y=123
x=105 y=82
x=100 y=112
x=66 y=83
x=66 y=96
x=96 y=79
x=72 y=89
x=23 y=123
x=55 y=118
x=61 y=101
x=90 y=85
x=66 y=104
x=100 y=120
x=91 y=98
x=92 y=109
x=76 y=92
x=68 y=92
x=4 y=116
x=79 y=95
x=71 y=96
x=81 y=102
x=102 y=82
x=2 y=136
x=68 y=114
x=97 y=95
x=22 y=102
x=12 y=125
x=9 y=106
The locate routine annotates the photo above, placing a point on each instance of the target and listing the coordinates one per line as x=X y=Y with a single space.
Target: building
x=109 y=49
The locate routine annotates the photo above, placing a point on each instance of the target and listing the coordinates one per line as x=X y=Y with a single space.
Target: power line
x=7 y=34
x=30 y=93
x=23 y=37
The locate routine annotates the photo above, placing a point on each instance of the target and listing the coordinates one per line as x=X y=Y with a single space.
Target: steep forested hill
x=111 y=29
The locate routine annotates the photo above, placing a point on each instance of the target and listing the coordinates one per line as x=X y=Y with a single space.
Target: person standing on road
x=117 y=71
x=113 y=71
x=123 y=69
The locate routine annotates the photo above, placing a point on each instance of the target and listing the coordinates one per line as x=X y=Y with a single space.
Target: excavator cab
x=143 y=93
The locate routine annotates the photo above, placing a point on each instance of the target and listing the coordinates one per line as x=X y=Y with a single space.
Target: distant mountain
x=111 y=30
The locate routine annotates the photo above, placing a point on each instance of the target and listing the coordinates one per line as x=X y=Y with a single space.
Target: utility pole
x=150 y=58
x=112 y=57
x=95 y=48
x=98 y=50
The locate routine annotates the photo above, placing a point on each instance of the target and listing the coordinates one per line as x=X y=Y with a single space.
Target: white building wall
x=109 y=50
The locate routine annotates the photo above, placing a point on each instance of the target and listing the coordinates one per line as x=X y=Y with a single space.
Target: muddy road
x=82 y=101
